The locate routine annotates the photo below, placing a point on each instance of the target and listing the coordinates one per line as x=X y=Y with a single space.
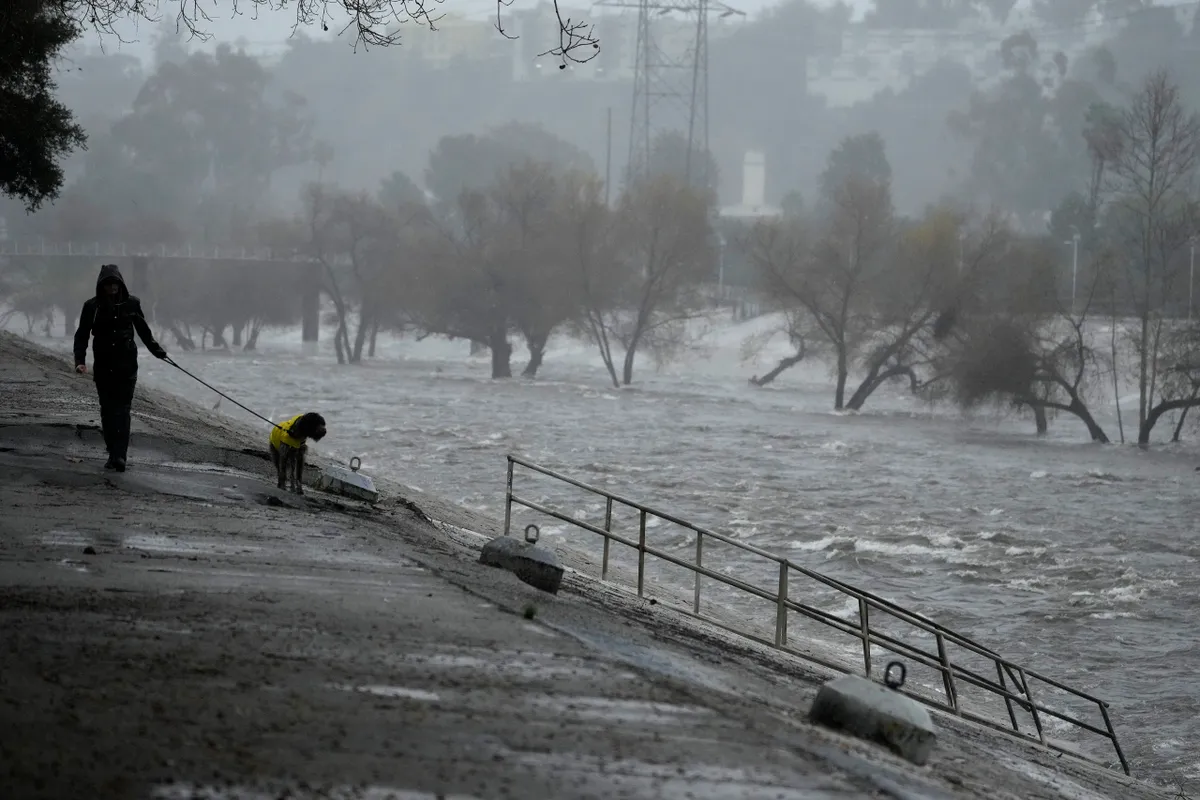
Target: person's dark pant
x=116 y=399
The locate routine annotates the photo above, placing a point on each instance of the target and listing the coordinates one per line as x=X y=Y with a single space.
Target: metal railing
x=953 y=675
x=186 y=252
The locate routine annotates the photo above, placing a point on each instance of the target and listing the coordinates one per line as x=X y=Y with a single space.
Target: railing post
x=1112 y=734
x=1006 y=672
x=781 y=619
x=947 y=675
x=641 y=553
x=1037 y=720
x=864 y=629
x=508 y=499
x=607 y=541
x=1007 y=700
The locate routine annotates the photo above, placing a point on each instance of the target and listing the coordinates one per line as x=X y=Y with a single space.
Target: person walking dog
x=110 y=318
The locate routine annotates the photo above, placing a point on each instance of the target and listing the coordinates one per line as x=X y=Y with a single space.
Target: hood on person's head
x=110 y=274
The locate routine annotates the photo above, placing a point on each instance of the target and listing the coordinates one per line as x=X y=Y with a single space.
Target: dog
x=289 y=444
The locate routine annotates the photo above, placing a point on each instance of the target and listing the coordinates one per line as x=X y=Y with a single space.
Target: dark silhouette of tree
x=471 y=162
x=199 y=147
x=669 y=157
x=372 y=23
x=398 y=192
x=36 y=130
x=39 y=132
x=862 y=157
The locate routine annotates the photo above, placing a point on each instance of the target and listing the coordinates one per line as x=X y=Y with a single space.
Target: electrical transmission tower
x=670 y=84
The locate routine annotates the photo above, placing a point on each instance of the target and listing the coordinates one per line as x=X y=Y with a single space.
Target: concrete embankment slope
x=185 y=630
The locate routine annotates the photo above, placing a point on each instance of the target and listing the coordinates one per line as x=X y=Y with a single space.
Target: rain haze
x=900 y=290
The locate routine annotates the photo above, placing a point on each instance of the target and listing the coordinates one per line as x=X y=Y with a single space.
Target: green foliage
x=398 y=191
x=194 y=156
x=36 y=130
x=1026 y=131
x=669 y=158
x=470 y=162
x=862 y=157
x=792 y=204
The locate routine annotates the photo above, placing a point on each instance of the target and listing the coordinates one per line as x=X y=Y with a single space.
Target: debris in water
x=89 y=551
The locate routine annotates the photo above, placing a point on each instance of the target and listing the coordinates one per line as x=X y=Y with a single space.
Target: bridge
x=41 y=248
x=139 y=258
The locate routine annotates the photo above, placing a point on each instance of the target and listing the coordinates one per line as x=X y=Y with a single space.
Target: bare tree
x=793 y=325
x=1150 y=215
x=460 y=287
x=373 y=23
x=828 y=275
x=663 y=248
x=589 y=235
x=1027 y=348
x=356 y=242
x=781 y=250
x=530 y=244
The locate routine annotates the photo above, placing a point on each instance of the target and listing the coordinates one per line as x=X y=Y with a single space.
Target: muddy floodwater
x=1074 y=559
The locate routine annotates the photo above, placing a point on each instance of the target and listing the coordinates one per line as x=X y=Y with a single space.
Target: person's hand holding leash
x=158 y=352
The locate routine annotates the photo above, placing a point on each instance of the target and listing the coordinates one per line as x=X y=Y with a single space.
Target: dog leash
x=201 y=381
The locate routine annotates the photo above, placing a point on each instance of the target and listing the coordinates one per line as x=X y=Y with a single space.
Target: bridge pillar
x=310 y=308
x=139 y=283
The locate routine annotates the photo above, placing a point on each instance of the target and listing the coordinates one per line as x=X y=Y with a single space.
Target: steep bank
x=210 y=636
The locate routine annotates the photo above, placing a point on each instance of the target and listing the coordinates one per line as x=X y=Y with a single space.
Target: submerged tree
x=1151 y=216
x=1027 y=349
x=662 y=249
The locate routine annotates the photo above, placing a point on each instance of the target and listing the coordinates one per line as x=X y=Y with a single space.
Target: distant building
x=872 y=60
x=754 y=205
x=455 y=39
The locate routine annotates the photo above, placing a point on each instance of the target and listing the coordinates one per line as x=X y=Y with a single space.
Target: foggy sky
x=275 y=27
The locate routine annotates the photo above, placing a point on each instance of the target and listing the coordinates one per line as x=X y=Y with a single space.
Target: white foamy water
x=1077 y=560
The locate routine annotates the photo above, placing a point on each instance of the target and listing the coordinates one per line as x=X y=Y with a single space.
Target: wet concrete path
x=185 y=630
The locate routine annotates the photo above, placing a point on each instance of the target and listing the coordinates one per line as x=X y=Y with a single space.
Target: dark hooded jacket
x=111 y=323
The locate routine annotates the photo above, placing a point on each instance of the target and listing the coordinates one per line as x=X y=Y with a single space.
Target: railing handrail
x=915 y=618
x=96 y=249
x=939 y=661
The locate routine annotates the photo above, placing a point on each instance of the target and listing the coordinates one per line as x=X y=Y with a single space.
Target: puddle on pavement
x=167 y=544
x=159 y=627
x=607 y=710
x=191 y=791
x=405 y=692
x=700 y=781
x=214 y=469
x=64 y=539
x=540 y=630
x=532 y=666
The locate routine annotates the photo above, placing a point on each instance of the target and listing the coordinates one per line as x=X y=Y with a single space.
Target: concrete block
x=871 y=711
x=534 y=565
x=348 y=482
